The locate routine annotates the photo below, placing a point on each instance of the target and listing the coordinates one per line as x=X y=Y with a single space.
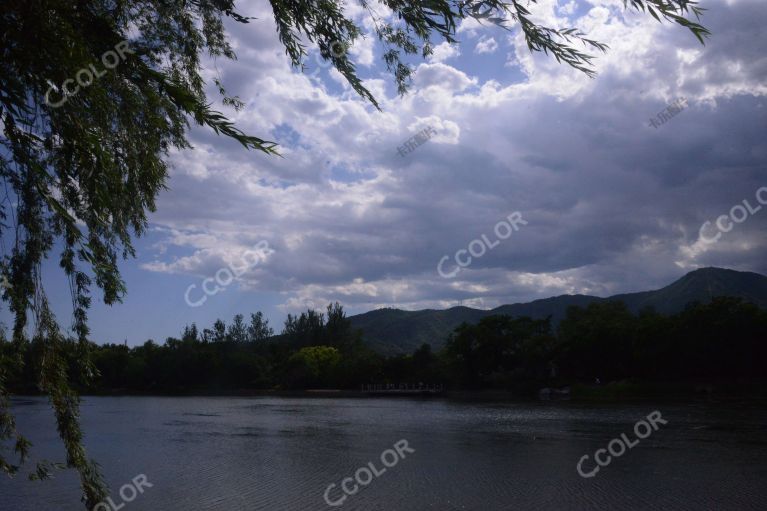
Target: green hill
x=392 y=331
x=700 y=285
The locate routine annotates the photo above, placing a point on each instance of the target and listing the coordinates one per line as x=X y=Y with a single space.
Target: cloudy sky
x=612 y=204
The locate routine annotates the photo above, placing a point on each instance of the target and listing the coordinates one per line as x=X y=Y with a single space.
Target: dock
x=402 y=389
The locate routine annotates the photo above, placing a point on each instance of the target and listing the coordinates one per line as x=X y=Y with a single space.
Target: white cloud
x=362 y=50
x=443 y=52
x=470 y=26
x=486 y=45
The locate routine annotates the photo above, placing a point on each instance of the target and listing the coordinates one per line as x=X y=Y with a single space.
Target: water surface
x=282 y=453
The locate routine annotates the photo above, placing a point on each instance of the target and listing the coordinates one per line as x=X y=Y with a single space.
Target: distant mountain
x=700 y=285
x=393 y=331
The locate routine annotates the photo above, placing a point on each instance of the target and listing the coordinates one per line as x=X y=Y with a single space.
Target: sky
x=608 y=202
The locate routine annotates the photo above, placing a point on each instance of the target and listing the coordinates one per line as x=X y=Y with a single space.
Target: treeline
x=722 y=341
x=725 y=340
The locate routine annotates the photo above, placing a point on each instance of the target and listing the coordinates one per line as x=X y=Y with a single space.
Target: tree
x=339 y=331
x=598 y=340
x=424 y=362
x=313 y=366
x=498 y=350
x=306 y=329
x=93 y=95
x=237 y=332
x=259 y=329
x=190 y=334
x=219 y=331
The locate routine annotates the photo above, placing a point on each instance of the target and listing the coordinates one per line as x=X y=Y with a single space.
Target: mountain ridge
x=393 y=331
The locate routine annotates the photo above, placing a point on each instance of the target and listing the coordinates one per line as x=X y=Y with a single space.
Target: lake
x=269 y=453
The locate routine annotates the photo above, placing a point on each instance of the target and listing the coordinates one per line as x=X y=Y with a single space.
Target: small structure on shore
x=551 y=393
x=402 y=389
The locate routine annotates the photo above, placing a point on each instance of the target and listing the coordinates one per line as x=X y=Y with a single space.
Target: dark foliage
x=722 y=341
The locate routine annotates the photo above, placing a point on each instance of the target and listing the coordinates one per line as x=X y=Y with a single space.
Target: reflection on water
x=282 y=453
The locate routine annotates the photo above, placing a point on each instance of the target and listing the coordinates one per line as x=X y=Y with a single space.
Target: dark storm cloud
x=612 y=204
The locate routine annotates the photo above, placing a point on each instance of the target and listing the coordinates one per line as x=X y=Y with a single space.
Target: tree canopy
x=95 y=93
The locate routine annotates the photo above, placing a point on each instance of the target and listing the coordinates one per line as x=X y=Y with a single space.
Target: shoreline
x=617 y=392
